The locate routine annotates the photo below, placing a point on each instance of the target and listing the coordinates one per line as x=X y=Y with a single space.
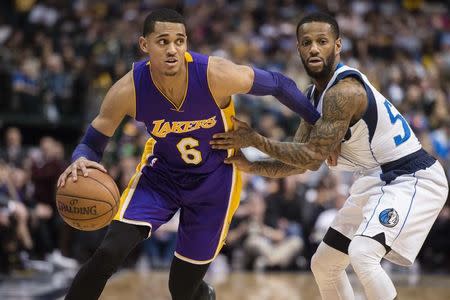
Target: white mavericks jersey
x=400 y=189
x=382 y=135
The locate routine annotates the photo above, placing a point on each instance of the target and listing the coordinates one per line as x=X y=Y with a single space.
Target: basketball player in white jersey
x=400 y=188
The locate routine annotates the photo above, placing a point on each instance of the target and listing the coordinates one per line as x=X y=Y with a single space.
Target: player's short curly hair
x=161 y=15
x=323 y=18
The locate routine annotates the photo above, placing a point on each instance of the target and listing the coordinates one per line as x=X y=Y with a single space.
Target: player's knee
x=319 y=261
x=317 y=265
x=108 y=258
x=328 y=261
x=365 y=254
x=358 y=253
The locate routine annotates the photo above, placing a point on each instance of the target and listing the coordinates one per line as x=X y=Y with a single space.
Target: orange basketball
x=90 y=203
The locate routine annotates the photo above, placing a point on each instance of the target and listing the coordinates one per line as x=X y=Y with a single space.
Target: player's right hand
x=81 y=163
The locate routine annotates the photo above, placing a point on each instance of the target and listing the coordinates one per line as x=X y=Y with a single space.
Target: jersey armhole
x=134 y=93
x=210 y=91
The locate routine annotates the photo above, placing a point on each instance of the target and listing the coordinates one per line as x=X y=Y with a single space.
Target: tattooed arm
x=342 y=104
x=271 y=167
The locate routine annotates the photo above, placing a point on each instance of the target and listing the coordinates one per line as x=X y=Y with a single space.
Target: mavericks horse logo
x=388 y=217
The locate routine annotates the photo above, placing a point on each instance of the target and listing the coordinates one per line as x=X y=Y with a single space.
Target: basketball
x=90 y=203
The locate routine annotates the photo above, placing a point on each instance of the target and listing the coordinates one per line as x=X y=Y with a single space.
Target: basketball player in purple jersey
x=183 y=98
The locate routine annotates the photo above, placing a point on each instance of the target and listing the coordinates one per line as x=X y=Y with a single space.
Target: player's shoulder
x=141 y=65
x=124 y=84
x=347 y=87
x=123 y=90
x=345 y=99
x=197 y=58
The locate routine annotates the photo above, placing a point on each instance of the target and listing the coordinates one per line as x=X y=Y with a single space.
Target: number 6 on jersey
x=188 y=152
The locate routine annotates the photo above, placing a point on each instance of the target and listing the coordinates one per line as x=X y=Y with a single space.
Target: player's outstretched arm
x=118 y=102
x=226 y=79
x=271 y=167
x=341 y=103
x=268 y=168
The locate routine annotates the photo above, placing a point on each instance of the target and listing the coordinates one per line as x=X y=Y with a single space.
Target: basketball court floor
x=267 y=286
x=142 y=285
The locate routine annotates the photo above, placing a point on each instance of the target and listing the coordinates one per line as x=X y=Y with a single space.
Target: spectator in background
x=284 y=208
x=434 y=255
x=264 y=246
x=26 y=87
x=14 y=233
x=52 y=235
x=331 y=208
x=13 y=153
x=58 y=88
x=160 y=248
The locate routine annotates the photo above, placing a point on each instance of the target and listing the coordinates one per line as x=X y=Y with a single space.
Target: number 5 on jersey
x=188 y=152
x=398 y=139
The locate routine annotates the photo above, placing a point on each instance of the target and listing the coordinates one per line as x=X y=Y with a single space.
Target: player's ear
x=338 y=45
x=143 y=44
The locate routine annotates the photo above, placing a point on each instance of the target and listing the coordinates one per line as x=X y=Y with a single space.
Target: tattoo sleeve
x=303 y=132
x=339 y=106
x=276 y=169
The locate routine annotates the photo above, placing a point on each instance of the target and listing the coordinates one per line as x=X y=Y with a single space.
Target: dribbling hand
x=81 y=163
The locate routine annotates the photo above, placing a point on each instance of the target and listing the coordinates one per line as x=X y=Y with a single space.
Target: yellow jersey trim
x=134 y=89
x=226 y=114
x=233 y=204
x=188 y=57
x=129 y=191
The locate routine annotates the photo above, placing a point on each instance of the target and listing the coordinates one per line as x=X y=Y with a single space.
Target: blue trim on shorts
x=375 y=209
x=409 y=209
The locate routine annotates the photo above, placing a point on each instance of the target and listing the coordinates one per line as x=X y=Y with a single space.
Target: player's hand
x=333 y=158
x=240 y=161
x=242 y=136
x=80 y=164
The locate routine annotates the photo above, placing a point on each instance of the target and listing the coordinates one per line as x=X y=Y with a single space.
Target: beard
x=326 y=69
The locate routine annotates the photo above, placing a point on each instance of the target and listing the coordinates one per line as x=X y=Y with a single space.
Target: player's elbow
x=283 y=83
x=316 y=162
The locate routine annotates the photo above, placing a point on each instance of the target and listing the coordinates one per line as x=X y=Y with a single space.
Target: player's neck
x=171 y=86
x=322 y=82
x=165 y=82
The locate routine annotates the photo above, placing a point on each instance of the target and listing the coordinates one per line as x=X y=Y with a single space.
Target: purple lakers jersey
x=180 y=135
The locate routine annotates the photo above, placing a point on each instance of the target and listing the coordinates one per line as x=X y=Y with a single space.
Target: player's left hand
x=242 y=136
x=333 y=157
x=240 y=161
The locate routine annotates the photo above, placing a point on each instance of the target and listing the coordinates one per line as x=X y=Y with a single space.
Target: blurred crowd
x=59 y=57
